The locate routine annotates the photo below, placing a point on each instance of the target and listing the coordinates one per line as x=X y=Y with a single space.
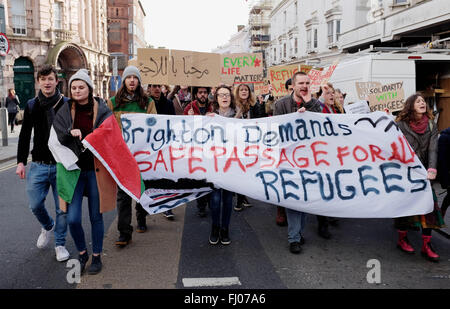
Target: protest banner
x=353 y=166
x=390 y=96
x=242 y=68
x=278 y=75
x=178 y=67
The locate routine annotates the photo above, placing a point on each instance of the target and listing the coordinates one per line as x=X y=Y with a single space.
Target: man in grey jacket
x=299 y=100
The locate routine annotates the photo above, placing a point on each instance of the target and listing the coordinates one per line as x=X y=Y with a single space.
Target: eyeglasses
x=223 y=95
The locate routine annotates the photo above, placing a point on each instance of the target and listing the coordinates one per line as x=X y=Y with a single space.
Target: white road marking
x=202 y=282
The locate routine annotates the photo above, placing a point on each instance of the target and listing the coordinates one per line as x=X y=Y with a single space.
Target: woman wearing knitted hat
x=130 y=98
x=73 y=122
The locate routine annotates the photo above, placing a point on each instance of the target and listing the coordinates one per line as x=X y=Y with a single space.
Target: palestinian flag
x=106 y=144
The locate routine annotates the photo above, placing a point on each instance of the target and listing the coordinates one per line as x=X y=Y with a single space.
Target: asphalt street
x=258 y=257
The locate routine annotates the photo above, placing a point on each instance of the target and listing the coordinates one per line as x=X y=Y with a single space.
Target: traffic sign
x=4 y=45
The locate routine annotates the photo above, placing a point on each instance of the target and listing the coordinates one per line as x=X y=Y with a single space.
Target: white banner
x=353 y=166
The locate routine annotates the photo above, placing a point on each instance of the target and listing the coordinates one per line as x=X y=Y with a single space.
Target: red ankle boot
x=403 y=243
x=427 y=250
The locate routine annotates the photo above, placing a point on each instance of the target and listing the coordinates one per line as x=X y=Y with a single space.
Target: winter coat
x=12 y=104
x=194 y=105
x=62 y=125
x=424 y=145
x=287 y=105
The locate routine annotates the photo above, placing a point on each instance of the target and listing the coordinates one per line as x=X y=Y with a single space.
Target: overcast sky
x=198 y=25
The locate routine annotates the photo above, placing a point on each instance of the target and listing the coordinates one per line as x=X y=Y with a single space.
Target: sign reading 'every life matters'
x=332 y=165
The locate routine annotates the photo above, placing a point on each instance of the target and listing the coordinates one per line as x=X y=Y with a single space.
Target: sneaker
x=123 y=240
x=96 y=265
x=245 y=202
x=169 y=215
x=224 y=237
x=61 y=254
x=302 y=240
x=141 y=228
x=44 y=237
x=295 y=248
x=83 y=259
x=214 y=236
x=239 y=207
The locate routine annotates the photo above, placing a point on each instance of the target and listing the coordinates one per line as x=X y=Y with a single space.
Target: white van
x=426 y=72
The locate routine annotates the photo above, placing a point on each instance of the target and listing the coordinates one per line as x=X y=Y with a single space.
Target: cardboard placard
x=321 y=77
x=390 y=96
x=362 y=89
x=243 y=68
x=178 y=67
x=261 y=88
x=278 y=75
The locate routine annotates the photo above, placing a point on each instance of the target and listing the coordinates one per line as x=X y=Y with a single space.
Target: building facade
x=126 y=30
x=238 y=43
x=69 y=34
x=318 y=32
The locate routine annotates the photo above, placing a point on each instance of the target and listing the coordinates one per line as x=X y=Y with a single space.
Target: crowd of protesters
x=81 y=113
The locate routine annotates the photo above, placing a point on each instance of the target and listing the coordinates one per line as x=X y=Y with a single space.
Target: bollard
x=4 y=126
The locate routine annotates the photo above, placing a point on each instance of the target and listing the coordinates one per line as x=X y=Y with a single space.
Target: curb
x=7 y=159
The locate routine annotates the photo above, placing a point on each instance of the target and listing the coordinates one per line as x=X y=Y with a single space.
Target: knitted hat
x=82 y=74
x=131 y=70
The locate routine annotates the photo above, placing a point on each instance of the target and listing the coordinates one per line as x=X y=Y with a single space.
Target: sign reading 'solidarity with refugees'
x=354 y=166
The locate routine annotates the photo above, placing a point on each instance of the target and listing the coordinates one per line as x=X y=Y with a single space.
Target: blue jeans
x=218 y=197
x=87 y=183
x=296 y=224
x=39 y=179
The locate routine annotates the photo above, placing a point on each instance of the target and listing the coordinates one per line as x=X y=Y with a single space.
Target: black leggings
x=11 y=119
x=445 y=203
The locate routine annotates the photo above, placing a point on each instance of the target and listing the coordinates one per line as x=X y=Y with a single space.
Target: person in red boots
x=416 y=123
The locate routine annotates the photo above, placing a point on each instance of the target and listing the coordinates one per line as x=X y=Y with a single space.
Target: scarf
x=420 y=126
x=184 y=97
x=48 y=103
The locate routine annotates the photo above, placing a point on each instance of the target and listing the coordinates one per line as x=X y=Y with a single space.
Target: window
x=308 y=39
x=315 y=38
x=57 y=15
x=296 y=46
x=284 y=50
x=330 y=31
x=338 y=30
x=18 y=17
x=400 y=1
x=274 y=54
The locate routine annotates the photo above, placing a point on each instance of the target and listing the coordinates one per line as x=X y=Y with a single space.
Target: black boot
x=323 y=227
x=96 y=265
x=224 y=237
x=124 y=239
x=83 y=259
x=240 y=203
x=214 y=237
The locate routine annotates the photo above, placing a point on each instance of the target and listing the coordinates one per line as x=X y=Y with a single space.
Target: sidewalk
x=9 y=152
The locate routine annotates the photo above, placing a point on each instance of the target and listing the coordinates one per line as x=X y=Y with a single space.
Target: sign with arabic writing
x=194 y=68
x=242 y=68
x=178 y=67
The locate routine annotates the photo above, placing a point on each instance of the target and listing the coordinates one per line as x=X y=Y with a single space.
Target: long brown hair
x=142 y=98
x=244 y=106
x=216 y=103
x=407 y=113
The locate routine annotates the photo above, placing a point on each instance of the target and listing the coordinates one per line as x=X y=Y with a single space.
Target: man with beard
x=38 y=117
x=200 y=106
x=299 y=100
x=130 y=98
